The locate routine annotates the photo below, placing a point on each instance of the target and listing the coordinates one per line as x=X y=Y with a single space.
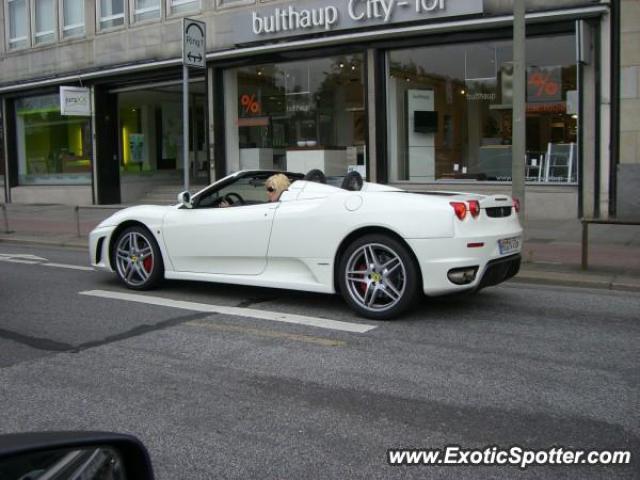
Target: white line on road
x=70 y=267
x=22 y=256
x=236 y=311
x=27 y=259
x=19 y=260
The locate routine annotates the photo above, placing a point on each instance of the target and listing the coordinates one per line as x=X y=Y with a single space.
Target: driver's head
x=275 y=185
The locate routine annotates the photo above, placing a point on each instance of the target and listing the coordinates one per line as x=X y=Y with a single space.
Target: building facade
x=414 y=93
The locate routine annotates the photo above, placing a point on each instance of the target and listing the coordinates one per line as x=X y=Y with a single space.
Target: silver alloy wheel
x=134 y=259
x=375 y=277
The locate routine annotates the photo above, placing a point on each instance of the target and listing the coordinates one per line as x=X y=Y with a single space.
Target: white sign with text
x=322 y=16
x=75 y=101
x=194 y=41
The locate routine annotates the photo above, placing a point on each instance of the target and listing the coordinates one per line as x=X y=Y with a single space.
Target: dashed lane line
x=235 y=311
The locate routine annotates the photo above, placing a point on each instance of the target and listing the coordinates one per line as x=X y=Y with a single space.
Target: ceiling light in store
x=575 y=117
x=408 y=79
x=342 y=65
x=462 y=92
x=353 y=67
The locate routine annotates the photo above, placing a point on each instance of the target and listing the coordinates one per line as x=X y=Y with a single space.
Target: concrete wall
x=629 y=190
x=629 y=167
x=63 y=194
x=630 y=82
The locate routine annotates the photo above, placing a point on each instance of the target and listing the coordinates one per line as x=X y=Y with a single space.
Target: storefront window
x=450 y=111
x=297 y=116
x=151 y=131
x=52 y=149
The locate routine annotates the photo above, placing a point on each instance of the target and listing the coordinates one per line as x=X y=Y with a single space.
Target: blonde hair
x=279 y=182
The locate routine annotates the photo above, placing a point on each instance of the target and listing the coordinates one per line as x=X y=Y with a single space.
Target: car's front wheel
x=378 y=277
x=138 y=260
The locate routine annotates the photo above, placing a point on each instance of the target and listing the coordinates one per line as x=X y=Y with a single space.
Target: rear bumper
x=437 y=257
x=500 y=270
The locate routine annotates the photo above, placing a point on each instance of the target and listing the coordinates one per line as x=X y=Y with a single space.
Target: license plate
x=509 y=245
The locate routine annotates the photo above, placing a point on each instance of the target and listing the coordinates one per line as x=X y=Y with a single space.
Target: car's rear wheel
x=378 y=277
x=138 y=260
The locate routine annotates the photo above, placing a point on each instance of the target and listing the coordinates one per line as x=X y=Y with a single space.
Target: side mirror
x=184 y=198
x=87 y=455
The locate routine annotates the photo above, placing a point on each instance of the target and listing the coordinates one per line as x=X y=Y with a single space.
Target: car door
x=231 y=240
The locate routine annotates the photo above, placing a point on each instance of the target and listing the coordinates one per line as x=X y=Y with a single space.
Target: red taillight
x=474 y=208
x=516 y=205
x=460 y=208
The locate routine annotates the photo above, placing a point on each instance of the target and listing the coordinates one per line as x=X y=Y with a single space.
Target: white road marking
x=27 y=259
x=68 y=266
x=237 y=311
x=19 y=260
x=22 y=256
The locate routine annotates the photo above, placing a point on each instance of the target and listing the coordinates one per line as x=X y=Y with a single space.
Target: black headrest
x=315 y=175
x=352 y=181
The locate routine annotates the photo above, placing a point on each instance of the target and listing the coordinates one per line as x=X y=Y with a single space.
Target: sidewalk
x=551 y=253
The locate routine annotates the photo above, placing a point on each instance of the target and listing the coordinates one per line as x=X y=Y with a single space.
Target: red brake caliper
x=147 y=263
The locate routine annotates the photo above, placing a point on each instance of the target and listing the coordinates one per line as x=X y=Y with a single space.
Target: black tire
x=395 y=286
x=139 y=265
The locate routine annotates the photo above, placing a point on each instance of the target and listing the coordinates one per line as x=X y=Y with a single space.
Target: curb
x=75 y=244
x=576 y=280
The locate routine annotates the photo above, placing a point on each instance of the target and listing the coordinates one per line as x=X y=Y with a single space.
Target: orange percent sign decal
x=250 y=104
x=544 y=83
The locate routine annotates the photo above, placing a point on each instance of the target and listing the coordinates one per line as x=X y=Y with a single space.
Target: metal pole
x=77 y=209
x=585 y=245
x=185 y=125
x=6 y=219
x=519 y=134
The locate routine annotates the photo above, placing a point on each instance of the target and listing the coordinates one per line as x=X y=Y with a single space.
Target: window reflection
x=52 y=148
x=450 y=111
x=298 y=116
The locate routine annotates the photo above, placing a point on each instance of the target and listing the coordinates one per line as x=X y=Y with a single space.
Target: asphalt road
x=219 y=395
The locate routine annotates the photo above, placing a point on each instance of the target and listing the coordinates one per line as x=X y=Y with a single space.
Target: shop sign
x=250 y=105
x=319 y=16
x=544 y=84
x=557 y=107
x=75 y=101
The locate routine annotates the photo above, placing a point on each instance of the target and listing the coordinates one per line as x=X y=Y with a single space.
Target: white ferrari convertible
x=379 y=246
